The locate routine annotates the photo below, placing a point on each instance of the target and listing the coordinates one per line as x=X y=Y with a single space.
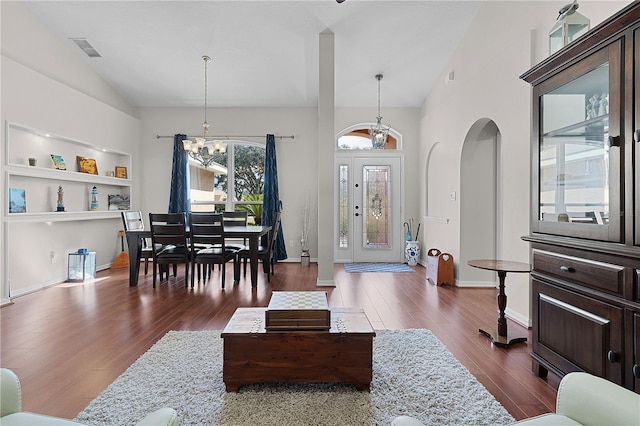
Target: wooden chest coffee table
x=343 y=354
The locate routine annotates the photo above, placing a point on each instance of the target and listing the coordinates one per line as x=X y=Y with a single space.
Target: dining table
x=252 y=233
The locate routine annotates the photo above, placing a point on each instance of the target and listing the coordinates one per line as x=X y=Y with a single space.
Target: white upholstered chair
x=11 y=409
x=583 y=399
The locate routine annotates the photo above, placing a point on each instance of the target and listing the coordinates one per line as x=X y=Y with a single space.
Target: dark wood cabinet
x=585 y=197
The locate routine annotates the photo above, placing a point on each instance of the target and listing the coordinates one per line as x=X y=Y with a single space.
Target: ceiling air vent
x=86 y=47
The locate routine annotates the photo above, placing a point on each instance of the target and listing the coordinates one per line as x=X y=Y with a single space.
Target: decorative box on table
x=82 y=266
x=298 y=310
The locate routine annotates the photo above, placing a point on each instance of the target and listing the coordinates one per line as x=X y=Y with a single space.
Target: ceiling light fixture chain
x=197 y=148
x=379 y=132
x=205 y=125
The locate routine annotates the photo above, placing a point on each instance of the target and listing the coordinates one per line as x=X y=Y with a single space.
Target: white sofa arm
x=10 y=393
x=162 y=417
x=406 y=421
x=592 y=401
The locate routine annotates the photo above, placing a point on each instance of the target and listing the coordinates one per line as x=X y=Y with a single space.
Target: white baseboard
x=520 y=319
x=483 y=284
x=325 y=283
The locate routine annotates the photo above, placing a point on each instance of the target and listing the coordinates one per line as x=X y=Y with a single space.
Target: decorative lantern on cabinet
x=569 y=26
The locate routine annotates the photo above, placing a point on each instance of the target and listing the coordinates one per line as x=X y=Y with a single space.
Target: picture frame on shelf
x=58 y=162
x=121 y=172
x=119 y=202
x=17 y=200
x=87 y=165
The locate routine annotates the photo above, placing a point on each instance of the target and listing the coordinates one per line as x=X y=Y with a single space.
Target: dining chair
x=208 y=228
x=169 y=234
x=236 y=219
x=265 y=251
x=132 y=221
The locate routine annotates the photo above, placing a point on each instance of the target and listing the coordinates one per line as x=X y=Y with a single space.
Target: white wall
x=47 y=88
x=504 y=40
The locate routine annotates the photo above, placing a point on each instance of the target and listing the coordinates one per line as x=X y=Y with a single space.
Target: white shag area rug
x=413 y=374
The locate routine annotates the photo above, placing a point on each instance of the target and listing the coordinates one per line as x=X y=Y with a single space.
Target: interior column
x=326 y=144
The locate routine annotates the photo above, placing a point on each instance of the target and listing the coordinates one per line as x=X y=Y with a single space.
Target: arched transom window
x=359 y=139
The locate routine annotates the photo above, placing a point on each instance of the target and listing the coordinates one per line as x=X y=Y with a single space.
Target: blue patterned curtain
x=270 y=198
x=179 y=200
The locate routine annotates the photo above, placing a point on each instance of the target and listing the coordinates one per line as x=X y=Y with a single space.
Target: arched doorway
x=480 y=195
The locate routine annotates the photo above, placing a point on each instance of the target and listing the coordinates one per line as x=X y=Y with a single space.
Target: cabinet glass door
x=577 y=187
x=636 y=149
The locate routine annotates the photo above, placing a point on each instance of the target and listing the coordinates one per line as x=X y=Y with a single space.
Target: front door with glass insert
x=369 y=209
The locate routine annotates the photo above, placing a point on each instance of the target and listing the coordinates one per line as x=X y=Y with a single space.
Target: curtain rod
x=227 y=137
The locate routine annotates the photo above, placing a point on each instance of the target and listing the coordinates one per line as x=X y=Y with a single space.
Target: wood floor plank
x=74 y=339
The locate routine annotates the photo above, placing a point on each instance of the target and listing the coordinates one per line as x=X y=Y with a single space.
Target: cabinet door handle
x=567 y=269
x=636 y=135
x=614 y=141
x=636 y=371
x=613 y=357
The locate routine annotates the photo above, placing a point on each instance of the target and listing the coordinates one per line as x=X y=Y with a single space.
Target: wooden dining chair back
x=265 y=250
x=236 y=219
x=208 y=229
x=169 y=235
x=132 y=221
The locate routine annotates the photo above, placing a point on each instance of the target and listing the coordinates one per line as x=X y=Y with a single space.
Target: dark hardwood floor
x=67 y=343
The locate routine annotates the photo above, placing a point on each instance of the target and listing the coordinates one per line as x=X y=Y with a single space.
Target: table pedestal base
x=502 y=341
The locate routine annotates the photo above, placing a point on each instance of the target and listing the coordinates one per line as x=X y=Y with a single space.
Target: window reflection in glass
x=234 y=182
x=574 y=154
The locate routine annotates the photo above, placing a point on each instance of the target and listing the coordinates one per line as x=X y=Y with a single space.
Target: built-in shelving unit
x=41 y=182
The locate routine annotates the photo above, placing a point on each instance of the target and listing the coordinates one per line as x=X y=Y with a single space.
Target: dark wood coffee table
x=343 y=354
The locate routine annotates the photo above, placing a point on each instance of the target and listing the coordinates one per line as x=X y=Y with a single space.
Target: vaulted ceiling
x=264 y=53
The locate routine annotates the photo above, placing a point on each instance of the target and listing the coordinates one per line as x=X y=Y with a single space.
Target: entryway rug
x=377 y=267
x=413 y=374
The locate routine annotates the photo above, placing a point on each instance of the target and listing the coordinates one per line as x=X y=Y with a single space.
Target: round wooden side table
x=501 y=337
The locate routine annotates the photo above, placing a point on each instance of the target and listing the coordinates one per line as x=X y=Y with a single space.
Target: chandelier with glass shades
x=196 y=147
x=379 y=132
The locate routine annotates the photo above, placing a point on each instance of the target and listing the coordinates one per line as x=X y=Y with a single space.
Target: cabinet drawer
x=590 y=273
x=577 y=333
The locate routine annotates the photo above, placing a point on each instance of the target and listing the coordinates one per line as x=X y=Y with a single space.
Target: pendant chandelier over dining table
x=197 y=148
x=379 y=132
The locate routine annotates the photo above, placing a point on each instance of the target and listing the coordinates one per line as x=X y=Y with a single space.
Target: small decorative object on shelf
x=60 y=207
x=118 y=201
x=94 y=199
x=121 y=172
x=87 y=165
x=33 y=161
x=17 y=200
x=604 y=104
x=58 y=162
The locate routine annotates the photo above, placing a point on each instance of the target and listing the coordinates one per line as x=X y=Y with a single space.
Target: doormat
x=377 y=267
